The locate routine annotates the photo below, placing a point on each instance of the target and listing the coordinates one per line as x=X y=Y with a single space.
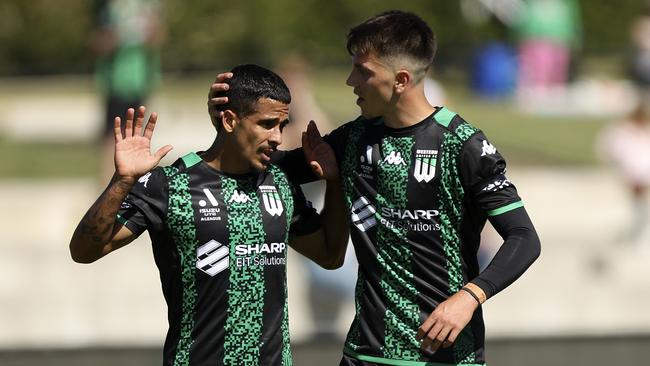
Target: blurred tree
x=41 y=36
x=44 y=37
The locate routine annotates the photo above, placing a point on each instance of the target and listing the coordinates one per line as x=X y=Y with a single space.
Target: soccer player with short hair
x=219 y=221
x=420 y=183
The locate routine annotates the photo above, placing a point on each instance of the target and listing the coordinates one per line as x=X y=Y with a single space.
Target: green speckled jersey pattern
x=246 y=293
x=181 y=225
x=402 y=313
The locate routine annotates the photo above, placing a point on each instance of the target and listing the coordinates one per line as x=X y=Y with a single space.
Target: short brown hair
x=394 y=34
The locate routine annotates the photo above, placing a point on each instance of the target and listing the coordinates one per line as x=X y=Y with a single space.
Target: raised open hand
x=133 y=156
x=319 y=154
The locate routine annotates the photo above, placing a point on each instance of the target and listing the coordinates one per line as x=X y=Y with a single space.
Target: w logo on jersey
x=272 y=201
x=425 y=165
x=239 y=197
x=363 y=214
x=212 y=257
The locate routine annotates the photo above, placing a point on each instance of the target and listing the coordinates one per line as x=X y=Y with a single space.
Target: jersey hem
x=387 y=361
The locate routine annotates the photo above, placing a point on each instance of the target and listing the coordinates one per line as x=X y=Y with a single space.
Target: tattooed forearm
x=97 y=226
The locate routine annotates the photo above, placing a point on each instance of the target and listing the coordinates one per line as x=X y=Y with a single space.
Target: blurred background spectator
x=126 y=40
x=626 y=144
x=640 y=60
x=549 y=34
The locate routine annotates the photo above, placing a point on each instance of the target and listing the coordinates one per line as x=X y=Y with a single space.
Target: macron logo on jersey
x=145 y=179
x=272 y=201
x=363 y=214
x=239 y=197
x=394 y=158
x=212 y=257
x=488 y=148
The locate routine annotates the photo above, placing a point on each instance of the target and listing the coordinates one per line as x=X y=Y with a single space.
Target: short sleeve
x=338 y=140
x=483 y=174
x=144 y=207
x=294 y=165
x=306 y=219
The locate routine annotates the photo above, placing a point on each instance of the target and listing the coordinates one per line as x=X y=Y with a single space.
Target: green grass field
x=523 y=139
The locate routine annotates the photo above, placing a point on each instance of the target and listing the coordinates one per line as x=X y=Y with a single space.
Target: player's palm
x=319 y=154
x=133 y=157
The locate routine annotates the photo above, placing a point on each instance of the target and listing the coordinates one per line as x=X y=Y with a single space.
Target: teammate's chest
x=384 y=160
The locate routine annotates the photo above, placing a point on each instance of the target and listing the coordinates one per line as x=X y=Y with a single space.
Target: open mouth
x=266 y=154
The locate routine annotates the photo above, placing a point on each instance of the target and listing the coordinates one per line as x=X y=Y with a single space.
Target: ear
x=229 y=121
x=402 y=79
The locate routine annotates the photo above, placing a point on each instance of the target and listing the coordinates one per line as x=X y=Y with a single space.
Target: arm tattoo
x=98 y=223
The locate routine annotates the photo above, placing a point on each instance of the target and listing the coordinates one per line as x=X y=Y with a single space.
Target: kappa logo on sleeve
x=144 y=179
x=488 y=148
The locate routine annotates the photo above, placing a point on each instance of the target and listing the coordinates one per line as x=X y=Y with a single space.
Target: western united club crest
x=425 y=165
x=272 y=201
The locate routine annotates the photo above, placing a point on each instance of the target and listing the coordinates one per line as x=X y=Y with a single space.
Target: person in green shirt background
x=126 y=41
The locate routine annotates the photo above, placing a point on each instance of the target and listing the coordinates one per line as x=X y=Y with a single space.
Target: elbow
x=79 y=256
x=537 y=249
x=333 y=264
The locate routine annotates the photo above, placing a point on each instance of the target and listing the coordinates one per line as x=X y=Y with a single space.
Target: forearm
x=335 y=224
x=520 y=249
x=97 y=227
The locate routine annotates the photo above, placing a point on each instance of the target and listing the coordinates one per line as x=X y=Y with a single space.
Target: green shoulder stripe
x=444 y=116
x=506 y=208
x=191 y=159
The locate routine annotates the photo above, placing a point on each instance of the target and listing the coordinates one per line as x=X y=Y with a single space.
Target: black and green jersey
x=220 y=244
x=419 y=198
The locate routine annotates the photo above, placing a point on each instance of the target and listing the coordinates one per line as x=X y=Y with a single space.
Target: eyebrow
x=285 y=121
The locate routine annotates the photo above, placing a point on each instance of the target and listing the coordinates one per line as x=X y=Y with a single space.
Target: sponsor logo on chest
x=364 y=216
x=212 y=257
x=366 y=166
x=209 y=207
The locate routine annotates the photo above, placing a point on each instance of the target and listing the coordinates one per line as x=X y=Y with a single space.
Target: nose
x=349 y=82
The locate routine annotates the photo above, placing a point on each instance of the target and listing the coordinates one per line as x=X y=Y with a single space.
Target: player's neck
x=220 y=157
x=408 y=110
